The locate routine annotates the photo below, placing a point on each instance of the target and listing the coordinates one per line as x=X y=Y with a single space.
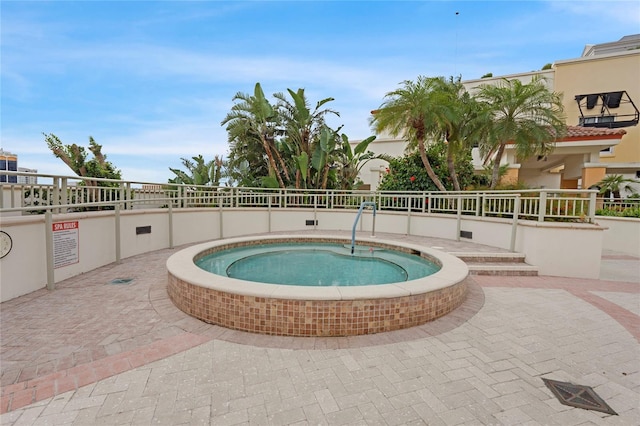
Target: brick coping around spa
x=312 y=311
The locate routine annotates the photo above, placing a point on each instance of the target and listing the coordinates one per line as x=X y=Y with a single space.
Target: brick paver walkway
x=91 y=352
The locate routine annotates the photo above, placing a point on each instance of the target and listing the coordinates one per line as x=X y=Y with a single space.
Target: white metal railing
x=620 y=203
x=71 y=193
x=67 y=194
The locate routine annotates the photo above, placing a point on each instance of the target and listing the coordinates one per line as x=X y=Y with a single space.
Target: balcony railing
x=625 y=112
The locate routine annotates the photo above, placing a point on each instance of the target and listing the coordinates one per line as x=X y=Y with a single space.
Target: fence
x=619 y=204
x=67 y=194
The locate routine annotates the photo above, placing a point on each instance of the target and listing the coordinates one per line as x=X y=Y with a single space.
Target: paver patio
x=91 y=352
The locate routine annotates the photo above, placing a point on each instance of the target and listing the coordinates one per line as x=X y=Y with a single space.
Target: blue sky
x=151 y=81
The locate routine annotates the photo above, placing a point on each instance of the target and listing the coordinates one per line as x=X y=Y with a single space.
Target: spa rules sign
x=66 y=247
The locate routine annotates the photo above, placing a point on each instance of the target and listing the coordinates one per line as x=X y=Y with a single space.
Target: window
x=587 y=121
x=607 y=151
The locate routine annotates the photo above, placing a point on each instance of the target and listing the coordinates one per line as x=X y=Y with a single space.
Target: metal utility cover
x=121 y=281
x=578 y=396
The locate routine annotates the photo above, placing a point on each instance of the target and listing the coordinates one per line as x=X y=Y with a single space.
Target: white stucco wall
x=208 y=228
x=555 y=248
x=383 y=144
x=97 y=242
x=23 y=270
x=533 y=179
x=622 y=234
x=562 y=249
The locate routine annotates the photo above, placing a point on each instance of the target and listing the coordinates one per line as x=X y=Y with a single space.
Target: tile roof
x=592 y=132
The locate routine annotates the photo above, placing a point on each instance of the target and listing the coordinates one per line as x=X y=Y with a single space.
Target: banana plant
x=199 y=172
x=302 y=163
x=254 y=116
x=301 y=126
x=352 y=160
x=320 y=161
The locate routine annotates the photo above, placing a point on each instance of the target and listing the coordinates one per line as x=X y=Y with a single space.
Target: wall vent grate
x=143 y=230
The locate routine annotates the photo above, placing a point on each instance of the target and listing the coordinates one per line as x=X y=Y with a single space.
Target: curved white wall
x=24 y=269
x=555 y=248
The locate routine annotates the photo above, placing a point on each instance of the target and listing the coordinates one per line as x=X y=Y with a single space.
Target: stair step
x=502 y=269
x=490 y=257
x=505 y=264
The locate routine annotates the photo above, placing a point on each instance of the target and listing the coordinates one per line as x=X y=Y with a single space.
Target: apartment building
x=601 y=94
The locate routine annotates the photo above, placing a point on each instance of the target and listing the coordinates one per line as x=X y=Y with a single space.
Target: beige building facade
x=601 y=94
x=603 y=91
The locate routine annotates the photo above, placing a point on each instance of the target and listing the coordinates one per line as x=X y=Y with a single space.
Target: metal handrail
x=355 y=222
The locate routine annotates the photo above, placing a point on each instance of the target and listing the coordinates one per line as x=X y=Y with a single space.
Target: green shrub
x=628 y=212
x=408 y=173
x=632 y=212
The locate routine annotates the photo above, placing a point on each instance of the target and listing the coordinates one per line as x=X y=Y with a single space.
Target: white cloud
x=147 y=175
x=607 y=13
x=43 y=164
x=148 y=61
x=184 y=139
x=158 y=100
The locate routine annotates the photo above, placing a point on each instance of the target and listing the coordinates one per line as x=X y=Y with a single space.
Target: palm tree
x=247 y=162
x=457 y=120
x=411 y=111
x=302 y=128
x=254 y=117
x=613 y=185
x=527 y=115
